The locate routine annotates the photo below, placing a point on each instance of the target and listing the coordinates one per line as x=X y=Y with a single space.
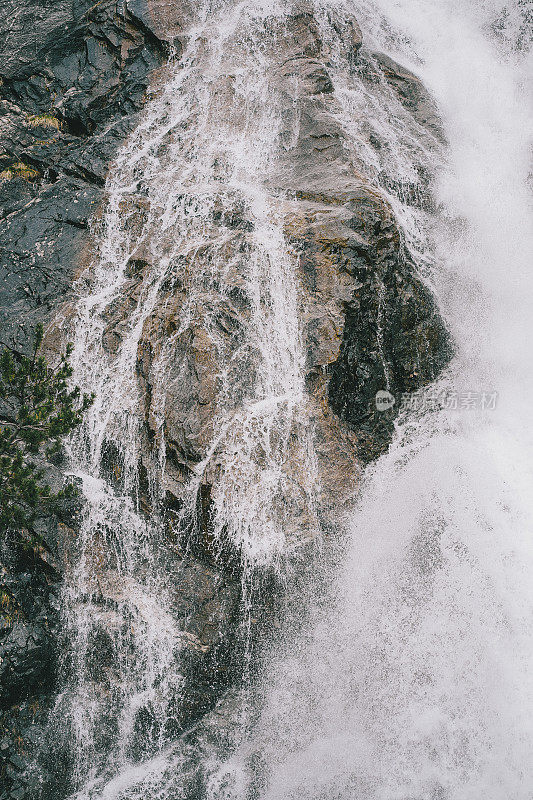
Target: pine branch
x=41 y=411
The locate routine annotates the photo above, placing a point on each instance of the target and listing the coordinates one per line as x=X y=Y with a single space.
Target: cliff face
x=75 y=77
x=369 y=323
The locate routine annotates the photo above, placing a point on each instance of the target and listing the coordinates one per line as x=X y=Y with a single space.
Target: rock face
x=29 y=629
x=369 y=323
x=75 y=76
x=28 y=657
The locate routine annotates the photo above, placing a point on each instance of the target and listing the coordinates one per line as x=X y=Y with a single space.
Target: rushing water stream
x=417 y=683
x=413 y=680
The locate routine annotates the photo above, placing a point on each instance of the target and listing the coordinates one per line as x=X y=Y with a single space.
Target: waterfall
x=203 y=146
x=410 y=679
x=413 y=680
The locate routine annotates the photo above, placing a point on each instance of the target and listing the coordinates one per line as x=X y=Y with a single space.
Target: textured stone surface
x=411 y=93
x=372 y=325
x=28 y=631
x=369 y=322
x=165 y=20
x=75 y=75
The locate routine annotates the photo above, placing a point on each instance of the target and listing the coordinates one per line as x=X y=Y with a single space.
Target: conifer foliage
x=37 y=409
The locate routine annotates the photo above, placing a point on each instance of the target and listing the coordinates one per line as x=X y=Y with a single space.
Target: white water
x=193 y=153
x=414 y=682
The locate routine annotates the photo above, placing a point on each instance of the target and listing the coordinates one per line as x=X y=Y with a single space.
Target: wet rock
x=297 y=61
x=26 y=661
x=208 y=600
x=22 y=731
x=372 y=325
x=28 y=632
x=204 y=608
x=164 y=19
x=73 y=75
x=412 y=94
x=42 y=238
x=369 y=322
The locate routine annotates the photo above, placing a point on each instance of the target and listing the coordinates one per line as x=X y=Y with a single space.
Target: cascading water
x=412 y=682
x=194 y=153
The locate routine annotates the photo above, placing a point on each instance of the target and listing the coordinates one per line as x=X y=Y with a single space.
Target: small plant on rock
x=37 y=410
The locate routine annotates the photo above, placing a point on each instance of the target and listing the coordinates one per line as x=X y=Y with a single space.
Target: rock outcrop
x=29 y=632
x=369 y=323
x=75 y=77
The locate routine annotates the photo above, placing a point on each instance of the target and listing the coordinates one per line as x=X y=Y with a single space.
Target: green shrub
x=37 y=410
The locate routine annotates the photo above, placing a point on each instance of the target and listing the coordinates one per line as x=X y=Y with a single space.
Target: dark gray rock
x=28 y=635
x=207 y=600
x=163 y=19
x=26 y=665
x=73 y=75
x=42 y=234
x=394 y=339
x=412 y=94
